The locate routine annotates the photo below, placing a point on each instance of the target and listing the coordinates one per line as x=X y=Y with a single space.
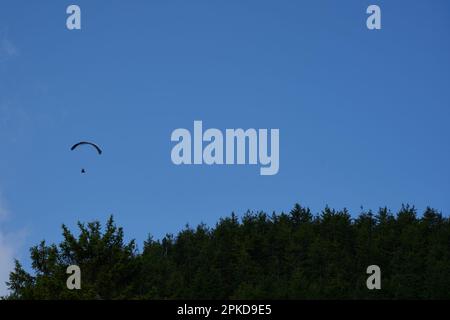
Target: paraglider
x=96 y=147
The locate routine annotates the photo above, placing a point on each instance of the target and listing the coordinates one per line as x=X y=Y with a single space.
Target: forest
x=295 y=255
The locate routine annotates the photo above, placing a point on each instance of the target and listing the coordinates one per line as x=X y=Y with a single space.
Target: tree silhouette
x=280 y=256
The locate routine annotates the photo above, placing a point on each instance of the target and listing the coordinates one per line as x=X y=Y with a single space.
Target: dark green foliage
x=285 y=256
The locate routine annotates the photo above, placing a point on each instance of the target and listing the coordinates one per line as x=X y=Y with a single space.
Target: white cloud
x=9 y=245
x=7 y=251
x=7 y=49
x=3 y=210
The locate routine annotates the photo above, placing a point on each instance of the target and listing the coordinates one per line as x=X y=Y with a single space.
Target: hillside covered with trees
x=280 y=256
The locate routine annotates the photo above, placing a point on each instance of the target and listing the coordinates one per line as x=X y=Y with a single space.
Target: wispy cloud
x=3 y=211
x=7 y=251
x=8 y=49
x=9 y=245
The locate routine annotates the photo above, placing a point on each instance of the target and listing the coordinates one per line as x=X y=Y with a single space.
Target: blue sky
x=363 y=115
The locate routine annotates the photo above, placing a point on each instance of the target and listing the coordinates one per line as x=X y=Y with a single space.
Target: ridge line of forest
x=295 y=255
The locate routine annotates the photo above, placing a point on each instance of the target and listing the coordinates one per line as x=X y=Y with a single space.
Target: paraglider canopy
x=86 y=143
